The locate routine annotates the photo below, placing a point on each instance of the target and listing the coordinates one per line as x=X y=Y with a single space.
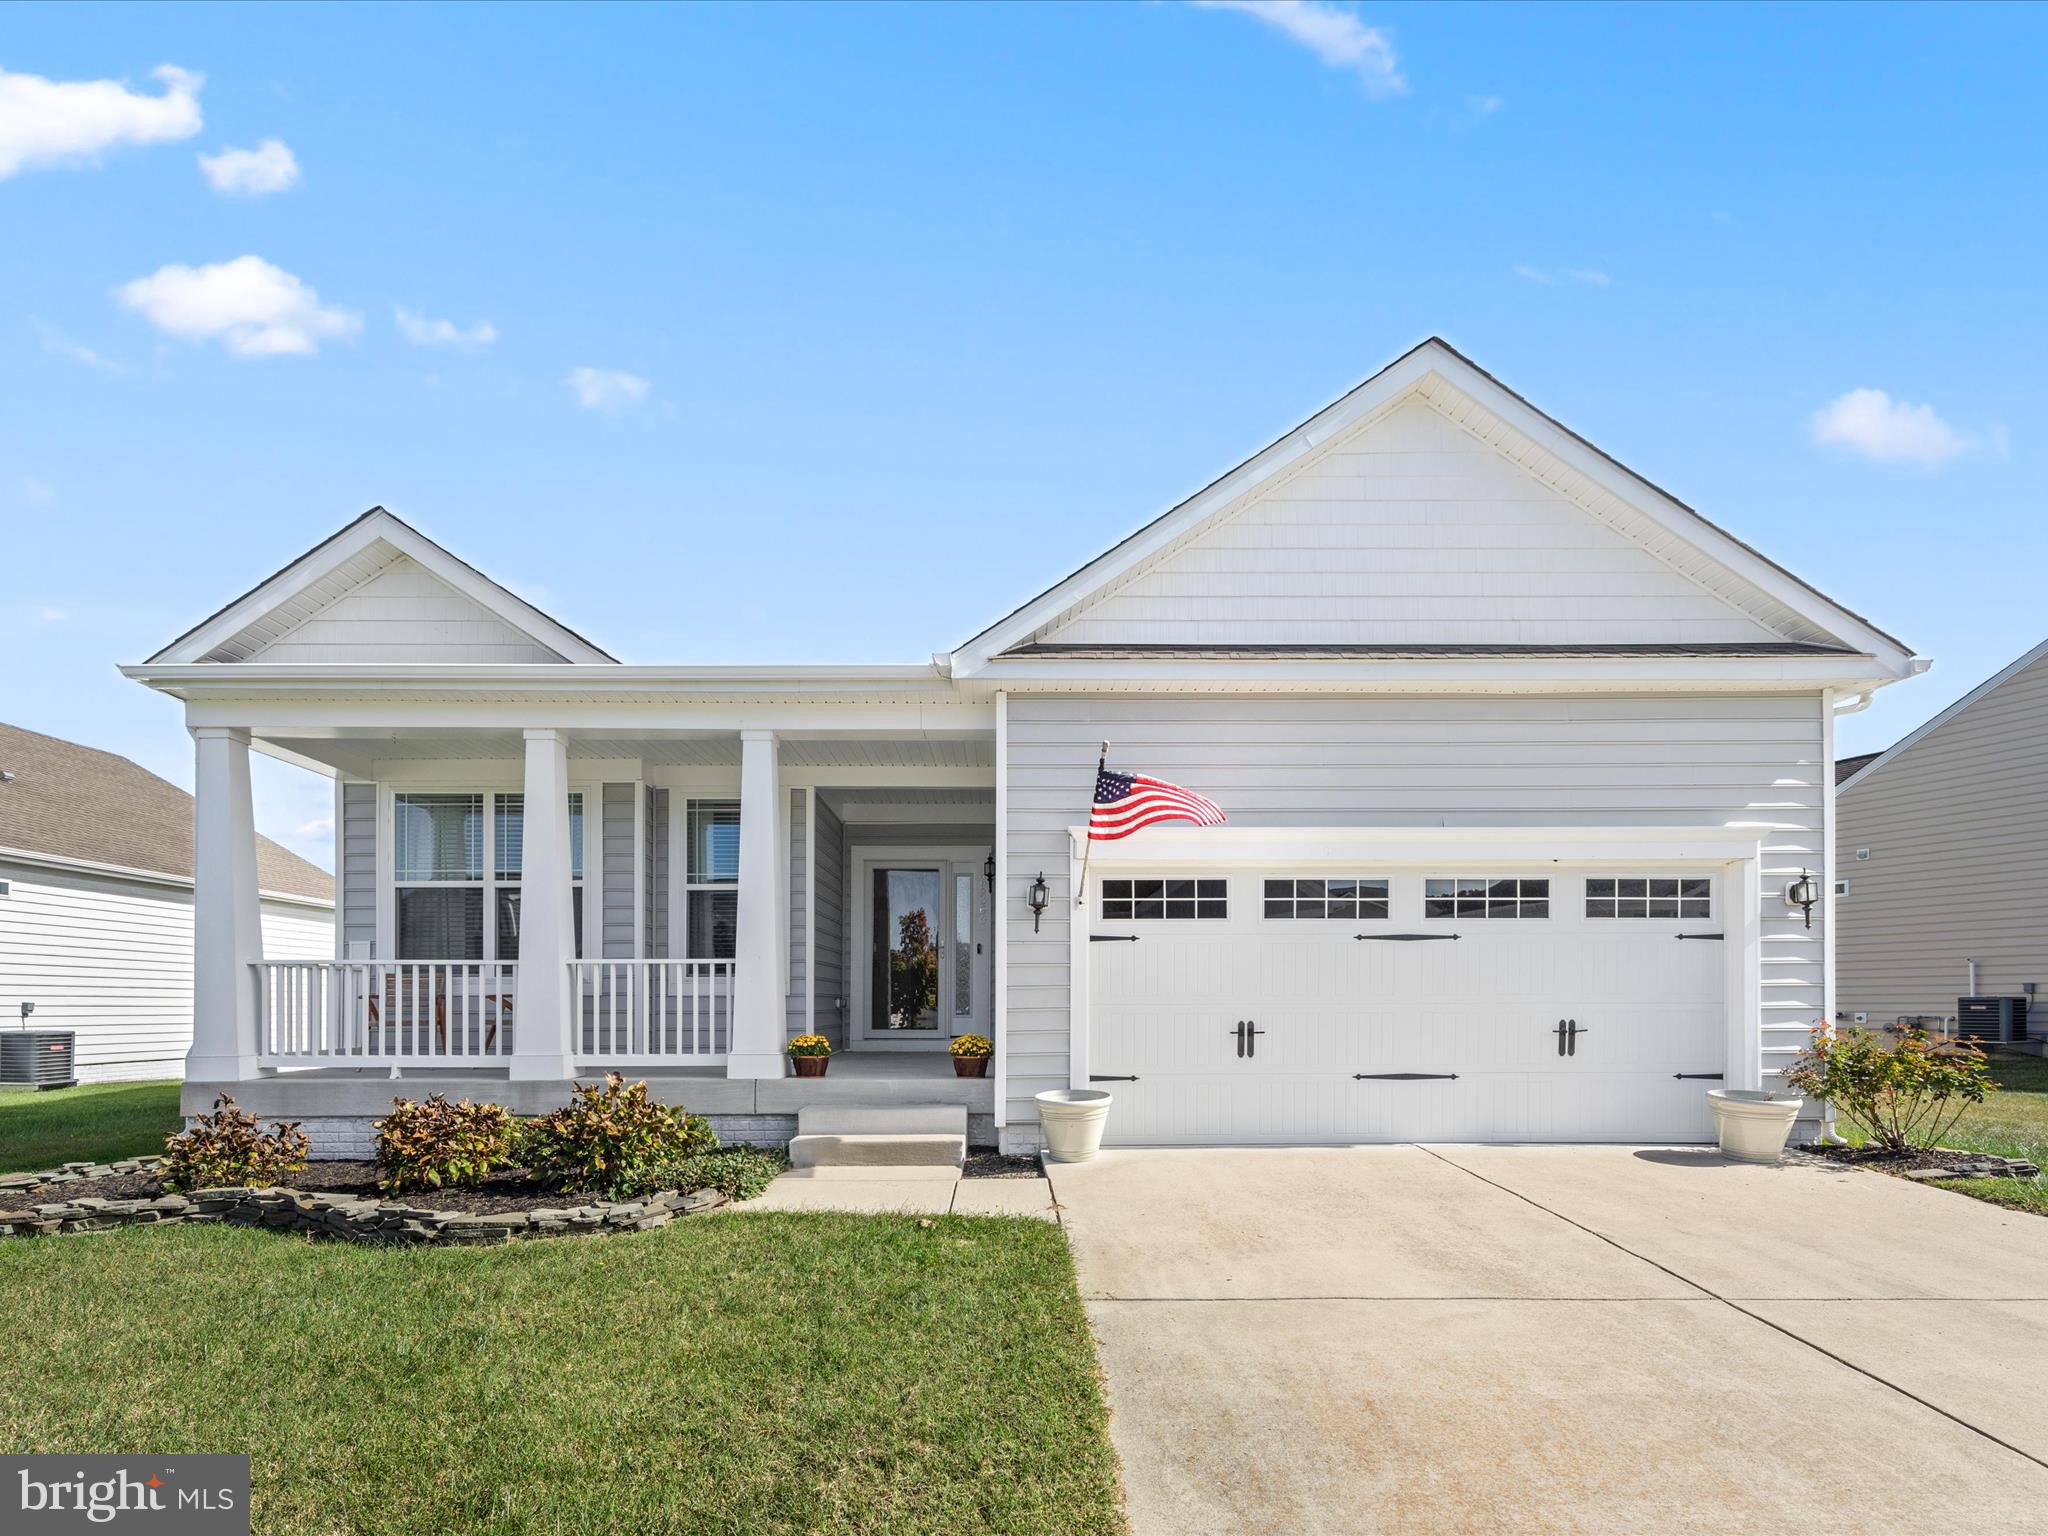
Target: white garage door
x=1440 y=1005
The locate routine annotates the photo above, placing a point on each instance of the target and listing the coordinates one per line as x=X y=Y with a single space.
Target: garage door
x=1304 y=1006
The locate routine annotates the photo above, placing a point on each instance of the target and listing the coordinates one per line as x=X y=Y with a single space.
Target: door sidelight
x=1568 y=1032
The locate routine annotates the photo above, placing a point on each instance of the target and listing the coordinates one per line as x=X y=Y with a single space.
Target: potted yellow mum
x=810 y=1055
x=971 y=1054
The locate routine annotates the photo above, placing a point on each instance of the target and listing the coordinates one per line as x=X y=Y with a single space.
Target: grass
x=2012 y=1122
x=94 y=1121
x=758 y=1373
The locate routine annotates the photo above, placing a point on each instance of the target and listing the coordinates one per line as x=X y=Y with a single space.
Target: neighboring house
x=1452 y=673
x=96 y=905
x=1944 y=842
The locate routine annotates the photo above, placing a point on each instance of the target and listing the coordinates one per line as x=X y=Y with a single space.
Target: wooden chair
x=398 y=1002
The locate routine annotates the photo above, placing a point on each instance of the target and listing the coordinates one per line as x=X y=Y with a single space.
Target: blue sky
x=922 y=307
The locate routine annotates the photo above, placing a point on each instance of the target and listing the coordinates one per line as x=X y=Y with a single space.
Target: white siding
x=112 y=959
x=1957 y=828
x=1282 y=760
x=1410 y=531
x=356 y=868
x=404 y=613
x=616 y=845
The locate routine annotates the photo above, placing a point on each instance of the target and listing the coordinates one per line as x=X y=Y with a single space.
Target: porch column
x=758 y=1021
x=227 y=914
x=543 y=1038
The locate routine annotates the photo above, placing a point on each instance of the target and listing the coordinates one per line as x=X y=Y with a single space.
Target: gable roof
x=79 y=804
x=1439 y=375
x=346 y=559
x=1877 y=760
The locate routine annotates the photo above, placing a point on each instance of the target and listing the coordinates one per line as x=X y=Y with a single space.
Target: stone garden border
x=350 y=1218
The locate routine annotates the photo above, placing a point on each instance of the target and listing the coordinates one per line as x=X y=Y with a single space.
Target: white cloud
x=1871 y=423
x=60 y=345
x=48 y=122
x=52 y=615
x=269 y=167
x=423 y=332
x=38 y=492
x=1591 y=277
x=600 y=389
x=1332 y=34
x=1484 y=106
x=254 y=308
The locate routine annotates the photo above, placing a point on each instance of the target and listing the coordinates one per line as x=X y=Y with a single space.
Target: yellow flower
x=809 y=1045
x=973 y=1046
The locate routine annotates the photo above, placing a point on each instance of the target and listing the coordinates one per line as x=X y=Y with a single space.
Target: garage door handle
x=1402 y=1077
x=1684 y=936
x=1568 y=1032
x=1239 y=1032
x=1407 y=938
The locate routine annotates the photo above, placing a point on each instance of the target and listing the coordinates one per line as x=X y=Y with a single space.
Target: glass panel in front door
x=963 y=951
x=905 y=986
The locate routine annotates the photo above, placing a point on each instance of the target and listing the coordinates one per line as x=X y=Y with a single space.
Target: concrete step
x=882 y=1120
x=884 y=1150
x=906 y=1173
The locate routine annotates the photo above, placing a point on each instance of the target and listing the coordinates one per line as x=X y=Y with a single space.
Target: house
x=1943 y=877
x=96 y=905
x=1498 y=726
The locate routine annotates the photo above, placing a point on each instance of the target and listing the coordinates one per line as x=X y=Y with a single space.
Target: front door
x=924 y=925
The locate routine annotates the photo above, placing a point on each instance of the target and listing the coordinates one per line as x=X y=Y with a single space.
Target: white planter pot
x=1072 y=1120
x=1753 y=1126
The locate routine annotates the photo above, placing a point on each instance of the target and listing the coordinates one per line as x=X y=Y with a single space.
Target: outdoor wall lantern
x=1803 y=893
x=988 y=871
x=1040 y=897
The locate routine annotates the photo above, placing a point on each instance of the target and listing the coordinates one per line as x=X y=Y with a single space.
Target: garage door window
x=1485 y=896
x=1648 y=896
x=1146 y=899
x=1338 y=896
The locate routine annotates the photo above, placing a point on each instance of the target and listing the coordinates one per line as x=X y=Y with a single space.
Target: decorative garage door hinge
x=1684 y=936
x=1107 y=1077
x=1403 y=1077
x=1705 y=1077
x=1114 y=938
x=1407 y=938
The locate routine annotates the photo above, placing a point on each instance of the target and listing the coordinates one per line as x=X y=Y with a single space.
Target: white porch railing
x=675 y=1013
x=363 y=1012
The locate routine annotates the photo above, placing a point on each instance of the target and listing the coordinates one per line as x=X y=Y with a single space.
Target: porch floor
x=855 y=1077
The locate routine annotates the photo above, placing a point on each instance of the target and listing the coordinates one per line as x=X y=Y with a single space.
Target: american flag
x=1125 y=802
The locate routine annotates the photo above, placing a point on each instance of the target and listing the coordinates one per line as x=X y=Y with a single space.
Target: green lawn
x=95 y=1121
x=753 y=1373
x=2012 y=1122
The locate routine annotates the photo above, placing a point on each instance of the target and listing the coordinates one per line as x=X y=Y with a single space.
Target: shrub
x=431 y=1143
x=809 y=1045
x=741 y=1172
x=973 y=1047
x=1905 y=1096
x=606 y=1136
x=230 y=1147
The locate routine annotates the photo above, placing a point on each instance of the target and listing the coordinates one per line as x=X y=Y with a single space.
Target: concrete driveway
x=1610 y=1339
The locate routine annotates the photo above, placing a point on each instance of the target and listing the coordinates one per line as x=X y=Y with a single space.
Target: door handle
x=1559 y=1032
x=1572 y=1033
x=1239 y=1032
x=1251 y=1042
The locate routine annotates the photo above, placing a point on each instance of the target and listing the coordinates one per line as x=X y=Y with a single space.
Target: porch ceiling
x=358 y=755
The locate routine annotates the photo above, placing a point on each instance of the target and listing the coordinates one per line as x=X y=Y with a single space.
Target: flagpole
x=1087 y=853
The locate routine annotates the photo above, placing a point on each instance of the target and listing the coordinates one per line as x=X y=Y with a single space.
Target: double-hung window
x=712 y=885
x=457 y=859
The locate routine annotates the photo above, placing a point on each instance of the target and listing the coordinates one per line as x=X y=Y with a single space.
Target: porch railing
x=371 y=1012
x=674 y=1013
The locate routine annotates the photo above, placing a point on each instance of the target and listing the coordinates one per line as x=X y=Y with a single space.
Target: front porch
x=518 y=912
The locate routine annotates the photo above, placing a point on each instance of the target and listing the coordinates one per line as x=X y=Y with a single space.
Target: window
x=711 y=887
x=1340 y=896
x=442 y=885
x=1485 y=896
x=1165 y=898
x=1648 y=896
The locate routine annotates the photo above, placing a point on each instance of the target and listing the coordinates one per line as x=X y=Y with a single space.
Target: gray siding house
x=1944 y=857
x=1497 y=727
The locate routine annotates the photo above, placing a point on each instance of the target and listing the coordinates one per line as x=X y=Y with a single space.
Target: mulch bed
x=509 y=1191
x=994 y=1165
x=1931 y=1161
